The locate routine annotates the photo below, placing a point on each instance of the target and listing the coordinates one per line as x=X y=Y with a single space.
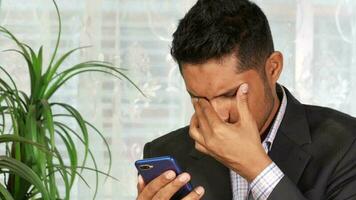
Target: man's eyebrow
x=227 y=93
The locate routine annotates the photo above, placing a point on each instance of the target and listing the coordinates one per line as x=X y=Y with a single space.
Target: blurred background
x=317 y=38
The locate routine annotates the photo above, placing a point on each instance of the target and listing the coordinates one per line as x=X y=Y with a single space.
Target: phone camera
x=146 y=167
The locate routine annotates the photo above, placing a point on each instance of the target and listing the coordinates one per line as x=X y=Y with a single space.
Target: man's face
x=218 y=80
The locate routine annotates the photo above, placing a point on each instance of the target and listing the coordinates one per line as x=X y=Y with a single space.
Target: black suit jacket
x=314 y=147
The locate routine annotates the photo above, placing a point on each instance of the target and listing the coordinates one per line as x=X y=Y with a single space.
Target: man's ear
x=274 y=66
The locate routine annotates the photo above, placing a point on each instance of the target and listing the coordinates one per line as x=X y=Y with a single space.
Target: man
x=249 y=138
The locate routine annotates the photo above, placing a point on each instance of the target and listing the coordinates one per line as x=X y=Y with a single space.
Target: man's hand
x=238 y=146
x=165 y=186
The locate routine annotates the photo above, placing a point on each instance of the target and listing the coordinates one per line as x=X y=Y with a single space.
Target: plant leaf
x=24 y=172
x=4 y=193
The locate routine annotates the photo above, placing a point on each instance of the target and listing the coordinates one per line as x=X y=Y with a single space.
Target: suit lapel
x=292 y=135
x=210 y=174
x=289 y=157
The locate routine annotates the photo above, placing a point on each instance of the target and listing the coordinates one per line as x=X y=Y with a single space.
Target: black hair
x=216 y=28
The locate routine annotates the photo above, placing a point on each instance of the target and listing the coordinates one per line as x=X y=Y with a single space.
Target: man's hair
x=216 y=28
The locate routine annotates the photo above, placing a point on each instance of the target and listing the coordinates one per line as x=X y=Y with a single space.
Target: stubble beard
x=269 y=102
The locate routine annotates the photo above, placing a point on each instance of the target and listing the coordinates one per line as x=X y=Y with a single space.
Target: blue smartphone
x=151 y=168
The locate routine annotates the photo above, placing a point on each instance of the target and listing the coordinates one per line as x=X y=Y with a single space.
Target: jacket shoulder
x=175 y=143
x=327 y=120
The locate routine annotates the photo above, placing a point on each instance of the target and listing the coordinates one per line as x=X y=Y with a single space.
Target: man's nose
x=222 y=108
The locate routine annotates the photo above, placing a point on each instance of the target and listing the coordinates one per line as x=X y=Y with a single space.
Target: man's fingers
x=157 y=184
x=140 y=184
x=194 y=123
x=242 y=102
x=201 y=148
x=196 y=135
x=197 y=193
x=209 y=113
x=170 y=189
x=194 y=130
x=203 y=122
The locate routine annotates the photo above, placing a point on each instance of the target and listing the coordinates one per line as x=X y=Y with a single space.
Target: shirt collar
x=268 y=141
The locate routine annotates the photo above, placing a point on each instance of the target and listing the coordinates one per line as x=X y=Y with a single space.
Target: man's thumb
x=242 y=101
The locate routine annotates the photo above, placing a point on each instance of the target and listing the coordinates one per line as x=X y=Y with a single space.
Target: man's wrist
x=257 y=167
x=263 y=185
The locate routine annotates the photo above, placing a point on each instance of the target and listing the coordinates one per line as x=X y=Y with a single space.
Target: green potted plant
x=29 y=127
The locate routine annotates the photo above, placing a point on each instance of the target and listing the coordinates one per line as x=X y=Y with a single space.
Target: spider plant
x=31 y=131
